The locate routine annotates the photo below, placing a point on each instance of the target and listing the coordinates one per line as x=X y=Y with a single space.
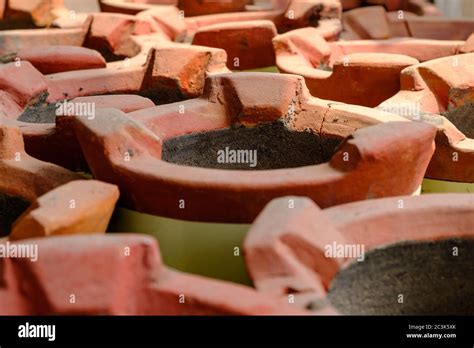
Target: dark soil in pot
x=412 y=278
x=266 y=146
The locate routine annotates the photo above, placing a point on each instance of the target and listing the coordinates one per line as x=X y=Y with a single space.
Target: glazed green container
x=442 y=186
x=209 y=249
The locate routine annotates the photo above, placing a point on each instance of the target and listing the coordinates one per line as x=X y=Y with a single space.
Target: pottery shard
x=55 y=59
x=248 y=44
x=367 y=22
x=79 y=207
x=200 y=7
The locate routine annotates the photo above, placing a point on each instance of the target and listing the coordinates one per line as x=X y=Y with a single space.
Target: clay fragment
x=75 y=208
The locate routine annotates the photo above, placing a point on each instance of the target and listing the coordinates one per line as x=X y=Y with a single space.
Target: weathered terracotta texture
x=420 y=7
x=112 y=32
x=171 y=72
x=198 y=7
x=441 y=86
x=121 y=150
x=118 y=275
x=78 y=207
x=292 y=235
x=15 y=40
x=369 y=78
x=286 y=14
x=134 y=7
x=24 y=87
x=420 y=49
x=55 y=59
x=248 y=44
x=55 y=142
x=375 y=23
x=41 y=13
x=23 y=175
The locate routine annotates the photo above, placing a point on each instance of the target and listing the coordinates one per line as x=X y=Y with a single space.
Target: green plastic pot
x=440 y=186
x=206 y=249
x=268 y=69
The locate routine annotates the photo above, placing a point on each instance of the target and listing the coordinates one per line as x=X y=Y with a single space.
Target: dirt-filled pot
x=222 y=157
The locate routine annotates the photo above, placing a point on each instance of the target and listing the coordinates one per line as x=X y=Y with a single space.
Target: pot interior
x=39 y=111
x=414 y=278
x=266 y=146
x=11 y=207
x=462 y=118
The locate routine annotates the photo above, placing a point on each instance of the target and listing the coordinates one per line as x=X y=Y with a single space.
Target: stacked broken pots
x=236 y=157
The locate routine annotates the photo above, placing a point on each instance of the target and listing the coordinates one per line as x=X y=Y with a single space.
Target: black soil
x=431 y=279
x=39 y=111
x=10 y=209
x=276 y=147
x=463 y=118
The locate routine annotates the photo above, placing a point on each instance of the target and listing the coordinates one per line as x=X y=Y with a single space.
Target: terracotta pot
x=370 y=67
x=441 y=90
x=248 y=43
x=126 y=276
x=419 y=19
x=372 y=257
x=372 y=77
x=160 y=156
x=173 y=187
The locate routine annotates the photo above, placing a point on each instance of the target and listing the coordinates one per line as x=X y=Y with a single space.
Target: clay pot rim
x=276 y=226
